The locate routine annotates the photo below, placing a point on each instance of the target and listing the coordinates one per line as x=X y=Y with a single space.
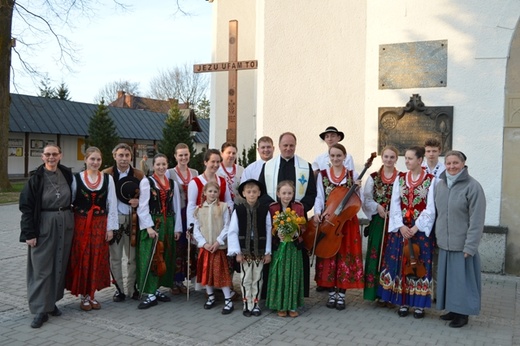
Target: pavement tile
x=184 y=322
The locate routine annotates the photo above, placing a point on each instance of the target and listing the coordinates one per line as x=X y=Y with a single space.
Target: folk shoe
x=403 y=311
x=119 y=297
x=39 y=319
x=459 y=321
x=147 y=303
x=95 y=304
x=162 y=297
x=85 y=304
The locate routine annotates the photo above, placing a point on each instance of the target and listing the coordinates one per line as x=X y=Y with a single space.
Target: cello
x=324 y=239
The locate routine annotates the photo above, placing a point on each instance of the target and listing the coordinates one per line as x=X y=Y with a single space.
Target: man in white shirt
x=331 y=136
x=432 y=164
x=265 y=149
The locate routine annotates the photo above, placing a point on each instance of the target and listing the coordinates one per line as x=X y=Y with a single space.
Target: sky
x=114 y=44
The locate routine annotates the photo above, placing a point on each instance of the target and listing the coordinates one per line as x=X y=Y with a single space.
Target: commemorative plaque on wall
x=413 y=124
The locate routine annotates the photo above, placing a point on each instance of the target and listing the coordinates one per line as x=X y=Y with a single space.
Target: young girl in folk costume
x=376 y=205
x=345 y=269
x=412 y=214
x=285 y=286
x=182 y=175
x=160 y=222
x=210 y=233
x=230 y=171
x=95 y=218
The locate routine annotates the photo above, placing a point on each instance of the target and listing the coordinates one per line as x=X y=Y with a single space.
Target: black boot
x=39 y=319
x=459 y=321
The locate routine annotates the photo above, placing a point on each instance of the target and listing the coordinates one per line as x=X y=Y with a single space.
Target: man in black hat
x=331 y=136
x=127 y=181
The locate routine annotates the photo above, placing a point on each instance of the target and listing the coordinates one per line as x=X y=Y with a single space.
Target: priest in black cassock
x=288 y=166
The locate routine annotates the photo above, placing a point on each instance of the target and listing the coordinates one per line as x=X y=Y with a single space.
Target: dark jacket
x=31 y=202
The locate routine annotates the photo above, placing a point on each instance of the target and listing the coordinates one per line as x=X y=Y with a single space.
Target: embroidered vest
x=252 y=242
x=328 y=185
x=86 y=199
x=413 y=201
x=382 y=192
x=155 y=204
x=211 y=221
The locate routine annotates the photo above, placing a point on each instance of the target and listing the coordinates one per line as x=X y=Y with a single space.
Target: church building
x=346 y=63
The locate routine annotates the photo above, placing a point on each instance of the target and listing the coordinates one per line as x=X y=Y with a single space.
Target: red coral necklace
x=95 y=184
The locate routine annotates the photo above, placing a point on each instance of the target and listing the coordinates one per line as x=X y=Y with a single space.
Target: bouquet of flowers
x=287 y=224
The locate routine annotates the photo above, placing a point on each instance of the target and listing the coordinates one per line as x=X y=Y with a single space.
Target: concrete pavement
x=182 y=322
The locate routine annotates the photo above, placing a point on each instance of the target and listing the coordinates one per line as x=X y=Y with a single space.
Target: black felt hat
x=251 y=181
x=332 y=129
x=127 y=188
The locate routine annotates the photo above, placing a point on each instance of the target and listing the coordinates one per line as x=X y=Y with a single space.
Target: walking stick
x=189 y=233
x=382 y=240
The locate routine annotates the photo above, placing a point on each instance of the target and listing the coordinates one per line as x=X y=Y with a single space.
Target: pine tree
x=62 y=92
x=175 y=131
x=103 y=133
x=248 y=156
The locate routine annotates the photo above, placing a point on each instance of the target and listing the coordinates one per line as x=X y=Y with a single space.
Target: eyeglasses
x=51 y=154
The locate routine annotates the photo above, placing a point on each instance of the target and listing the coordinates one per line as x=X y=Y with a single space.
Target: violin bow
x=189 y=232
x=383 y=240
x=314 y=243
x=154 y=247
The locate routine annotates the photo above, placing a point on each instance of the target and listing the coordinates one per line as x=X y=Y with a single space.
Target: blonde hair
x=92 y=150
x=283 y=183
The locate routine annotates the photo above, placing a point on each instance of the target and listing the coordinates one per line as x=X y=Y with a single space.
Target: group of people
x=177 y=223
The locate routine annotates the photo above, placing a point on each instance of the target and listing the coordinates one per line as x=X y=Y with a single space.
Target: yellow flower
x=277 y=212
x=281 y=222
x=288 y=210
x=288 y=219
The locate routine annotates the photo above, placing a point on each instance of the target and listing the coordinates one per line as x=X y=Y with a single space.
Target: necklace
x=162 y=186
x=337 y=179
x=55 y=187
x=95 y=184
x=231 y=175
x=186 y=180
x=386 y=180
x=414 y=183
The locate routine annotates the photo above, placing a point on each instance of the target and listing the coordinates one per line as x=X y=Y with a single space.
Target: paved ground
x=182 y=322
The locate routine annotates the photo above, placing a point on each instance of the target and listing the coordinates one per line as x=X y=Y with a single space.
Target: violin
x=342 y=205
x=412 y=267
x=158 y=266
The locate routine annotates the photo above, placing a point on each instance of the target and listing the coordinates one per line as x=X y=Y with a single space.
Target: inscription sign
x=413 y=65
x=225 y=66
x=404 y=127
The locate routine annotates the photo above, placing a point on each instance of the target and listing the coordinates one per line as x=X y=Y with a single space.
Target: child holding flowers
x=285 y=286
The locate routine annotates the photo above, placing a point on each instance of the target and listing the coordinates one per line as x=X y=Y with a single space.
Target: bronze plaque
x=413 y=65
x=404 y=127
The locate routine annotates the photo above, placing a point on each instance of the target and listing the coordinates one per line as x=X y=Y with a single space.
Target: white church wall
x=225 y=11
x=477 y=53
x=312 y=72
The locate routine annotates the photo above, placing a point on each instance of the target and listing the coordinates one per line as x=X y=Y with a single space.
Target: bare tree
x=41 y=20
x=179 y=83
x=110 y=90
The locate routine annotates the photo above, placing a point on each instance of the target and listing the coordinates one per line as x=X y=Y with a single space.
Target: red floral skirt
x=88 y=268
x=213 y=268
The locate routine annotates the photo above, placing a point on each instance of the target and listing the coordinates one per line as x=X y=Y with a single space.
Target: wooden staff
x=383 y=240
x=189 y=232
x=315 y=240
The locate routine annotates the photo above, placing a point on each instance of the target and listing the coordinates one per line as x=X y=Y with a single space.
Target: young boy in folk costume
x=285 y=286
x=210 y=232
x=159 y=214
x=249 y=239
